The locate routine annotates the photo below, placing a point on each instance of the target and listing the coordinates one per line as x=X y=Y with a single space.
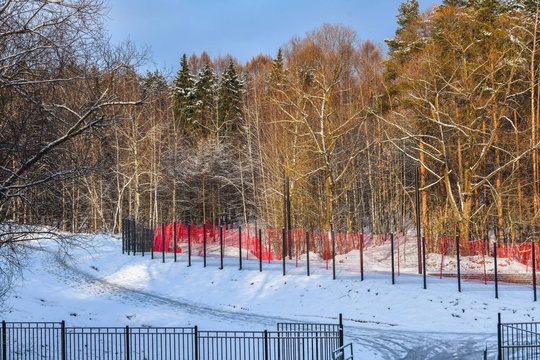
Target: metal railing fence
x=35 y=340
x=518 y=341
x=344 y=352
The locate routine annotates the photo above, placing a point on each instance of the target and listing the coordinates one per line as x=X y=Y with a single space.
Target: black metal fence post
x=221 y=246
x=127 y=343
x=123 y=235
x=153 y=240
x=424 y=261
x=149 y=242
x=126 y=224
x=534 y=269
x=4 y=340
x=260 y=250
x=283 y=253
x=196 y=342
x=333 y=238
x=307 y=251
x=132 y=238
x=133 y=242
x=63 y=342
x=240 y=247
x=499 y=337
x=175 y=245
x=392 y=257
x=163 y=241
x=143 y=240
x=204 y=245
x=417 y=211
x=341 y=335
x=458 y=264
x=495 y=270
x=362 y=255
x=136 y=240
x=266 y=345
x=189 y=244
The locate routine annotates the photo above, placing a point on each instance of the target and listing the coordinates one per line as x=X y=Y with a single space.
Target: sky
x=100 y=286
x=241 y=28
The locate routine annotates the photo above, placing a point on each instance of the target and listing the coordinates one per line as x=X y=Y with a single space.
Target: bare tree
x=57 y=86
x=322 y=114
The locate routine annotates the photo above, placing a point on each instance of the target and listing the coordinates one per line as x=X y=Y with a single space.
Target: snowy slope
x=99 y=286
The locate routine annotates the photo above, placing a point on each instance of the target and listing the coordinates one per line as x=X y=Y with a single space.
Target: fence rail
x=34 y=340
x=518 y=341
x=344 y=352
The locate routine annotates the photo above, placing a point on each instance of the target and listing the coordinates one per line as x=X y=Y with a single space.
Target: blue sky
x=242 y=28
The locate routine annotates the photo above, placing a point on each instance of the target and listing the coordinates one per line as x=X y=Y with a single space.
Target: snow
x=100 y=286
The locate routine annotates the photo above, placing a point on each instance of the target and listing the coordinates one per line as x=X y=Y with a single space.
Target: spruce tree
x=277 y=75
x=205 y=95
x=456 y=3
x=183 y=96
x=407 y=39
x=528 y=5
x=406 y=42
x=230 y=96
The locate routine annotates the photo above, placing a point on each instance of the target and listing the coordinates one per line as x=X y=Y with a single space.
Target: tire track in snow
x=371 y=343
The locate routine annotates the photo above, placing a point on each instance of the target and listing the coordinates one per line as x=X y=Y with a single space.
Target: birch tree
x=57 y=77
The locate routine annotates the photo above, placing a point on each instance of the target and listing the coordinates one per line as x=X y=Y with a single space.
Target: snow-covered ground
x=99 y=286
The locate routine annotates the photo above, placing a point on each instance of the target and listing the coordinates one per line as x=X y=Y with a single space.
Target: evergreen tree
x=456 y=3
x=528 y=5
x=205 y=95
x=278 y=74
x=493 y=6
x=183 y=95
x=407 y=39
x=406 y=35
x=408 y=14
x=405 y=44
x=230 y=96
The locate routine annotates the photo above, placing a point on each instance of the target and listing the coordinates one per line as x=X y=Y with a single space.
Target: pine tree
x=406 y=35
x=230 y=96
x=528 y=5
x=493 y=6
x=408 y=39
x=456 y=3
x=487 y=10
x=205 y=95
x=277 y=75
x=183 y=96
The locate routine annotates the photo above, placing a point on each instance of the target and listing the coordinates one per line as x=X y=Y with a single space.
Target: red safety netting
x=272 y=240
x=519 y=252
x=473 y=258
x=477 y=254
x=272 y=246
x=197 y=235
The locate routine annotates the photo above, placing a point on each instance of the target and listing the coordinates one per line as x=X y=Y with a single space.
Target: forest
x=439 y=132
